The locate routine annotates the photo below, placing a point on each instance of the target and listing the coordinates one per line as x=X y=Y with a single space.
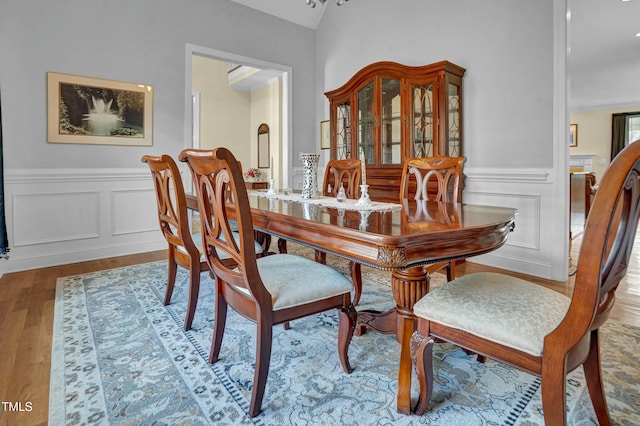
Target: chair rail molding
x=59 y=216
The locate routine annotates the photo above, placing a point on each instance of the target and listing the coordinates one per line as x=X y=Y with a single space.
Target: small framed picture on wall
x=573 y=135
x=325 y=140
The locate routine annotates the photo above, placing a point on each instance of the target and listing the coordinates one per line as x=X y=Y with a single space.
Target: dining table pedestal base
x=408 y=286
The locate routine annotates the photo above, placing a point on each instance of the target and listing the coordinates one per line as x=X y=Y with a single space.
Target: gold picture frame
x=325 y=138
x=573 y=135
x=87 y=110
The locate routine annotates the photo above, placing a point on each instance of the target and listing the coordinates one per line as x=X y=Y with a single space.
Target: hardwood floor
x=26 y=325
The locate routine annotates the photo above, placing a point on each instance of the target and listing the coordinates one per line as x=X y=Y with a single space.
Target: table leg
x=408 y=287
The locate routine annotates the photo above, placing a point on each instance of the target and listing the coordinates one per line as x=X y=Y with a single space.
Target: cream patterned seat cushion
x=497 y=307
x=295 y=280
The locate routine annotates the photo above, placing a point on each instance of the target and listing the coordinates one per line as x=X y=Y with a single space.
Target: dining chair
x=534 y=328
x=436 y=179
x=342 y=173
x=174 y=221
x=185 y=243
x=270 y=290
x=346 y=174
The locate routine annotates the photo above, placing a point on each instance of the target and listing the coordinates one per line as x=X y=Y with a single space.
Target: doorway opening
x=281 y=124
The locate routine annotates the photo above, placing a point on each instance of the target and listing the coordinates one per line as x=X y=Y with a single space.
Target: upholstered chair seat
x=504 y=309
x=320 y=281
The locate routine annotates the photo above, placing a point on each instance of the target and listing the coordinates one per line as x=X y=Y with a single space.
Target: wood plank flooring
x=26 y=325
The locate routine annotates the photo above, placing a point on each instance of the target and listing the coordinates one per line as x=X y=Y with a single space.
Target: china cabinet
x=388 y=112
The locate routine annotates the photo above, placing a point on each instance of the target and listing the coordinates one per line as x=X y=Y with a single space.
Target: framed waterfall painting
x=86 y=110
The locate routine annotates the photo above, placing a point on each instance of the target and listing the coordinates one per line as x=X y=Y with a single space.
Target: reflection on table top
x=413 y=216
x=419 y=233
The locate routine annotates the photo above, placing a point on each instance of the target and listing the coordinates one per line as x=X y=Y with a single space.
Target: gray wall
x=506 y=47
x=140 y=41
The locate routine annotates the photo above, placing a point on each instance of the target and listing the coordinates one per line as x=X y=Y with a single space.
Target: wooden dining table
x=401 y=240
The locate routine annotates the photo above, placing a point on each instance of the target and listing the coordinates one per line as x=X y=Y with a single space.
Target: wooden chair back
x=171 y=201
x=607 y=242
x=432 y=178
x=173 y=217
x=223 y=200
x=344 y=173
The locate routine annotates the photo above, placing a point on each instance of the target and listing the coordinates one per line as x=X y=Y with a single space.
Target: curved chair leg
x=356 y=277
x=347 y=324
x=282 y=246
x=593 y=375
x=554 y=377
x=263 y=358
x=194 y=289
x=220 y=319
x=172 y=269
x=422 y=356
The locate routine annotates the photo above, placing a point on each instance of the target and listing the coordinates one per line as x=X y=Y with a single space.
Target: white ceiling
x=295 y=11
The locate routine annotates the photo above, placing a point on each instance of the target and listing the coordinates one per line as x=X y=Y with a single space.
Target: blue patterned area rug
x=120 y=357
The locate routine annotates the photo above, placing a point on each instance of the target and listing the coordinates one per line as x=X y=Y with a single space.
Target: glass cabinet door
x=422 y=126
x=390 y=145
x=366 y=123
x=343 y=131
x=453 y=132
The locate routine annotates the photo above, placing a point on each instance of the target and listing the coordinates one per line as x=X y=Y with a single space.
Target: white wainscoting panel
x=131 y=213
x=59 y=216
x=530 y=247
x=55 y=217
x=526 y=233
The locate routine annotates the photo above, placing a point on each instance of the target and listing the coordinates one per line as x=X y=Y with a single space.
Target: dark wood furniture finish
x=256 y=185
x=438 y=179
x=389 y=112
x=573 y=339
x=401 y=241
x=243 y=282
x=174 y=224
